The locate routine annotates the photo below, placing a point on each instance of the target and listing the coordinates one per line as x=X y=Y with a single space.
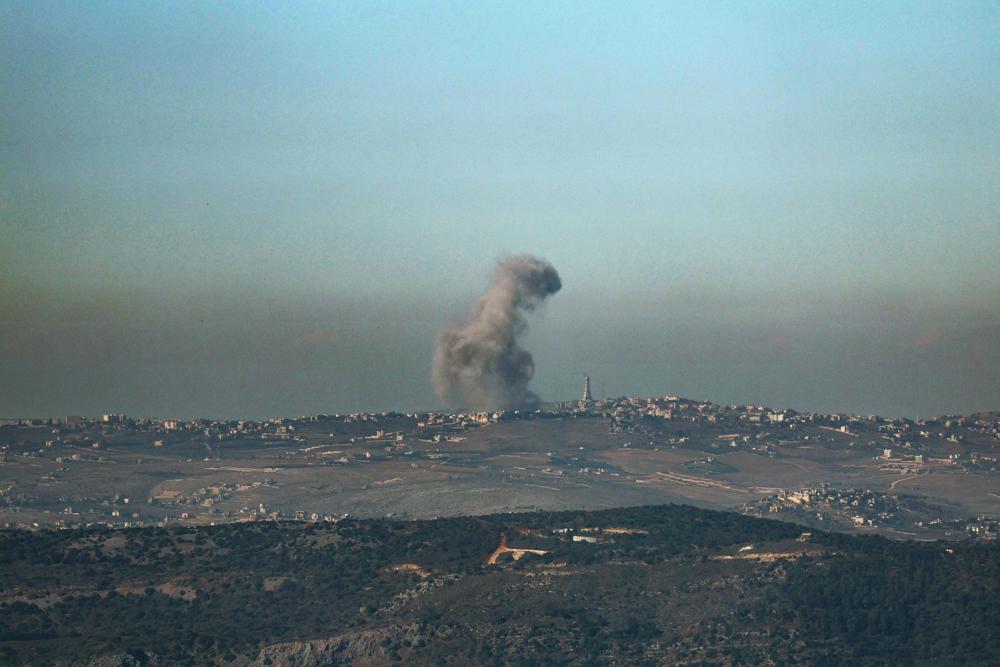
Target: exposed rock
x=340 y=650
x=422 y=588
x=127 y=659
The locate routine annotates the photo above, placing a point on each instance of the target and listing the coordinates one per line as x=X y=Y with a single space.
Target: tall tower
x=586 y=390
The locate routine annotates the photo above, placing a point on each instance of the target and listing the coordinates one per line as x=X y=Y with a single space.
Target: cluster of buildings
x=625 y=414
x=900 y=445
x=827 y=508
x=761 y=429
x=824 y=506
x=983 y=528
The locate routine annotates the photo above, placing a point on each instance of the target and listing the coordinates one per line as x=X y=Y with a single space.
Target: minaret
x=586 y=390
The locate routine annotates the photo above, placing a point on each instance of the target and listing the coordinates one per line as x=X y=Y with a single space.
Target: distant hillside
x=645 y=585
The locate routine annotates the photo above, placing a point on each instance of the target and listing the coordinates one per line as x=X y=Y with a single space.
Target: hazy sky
x=229 y=209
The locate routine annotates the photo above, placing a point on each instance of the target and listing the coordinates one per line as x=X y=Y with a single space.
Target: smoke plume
x=478 y=363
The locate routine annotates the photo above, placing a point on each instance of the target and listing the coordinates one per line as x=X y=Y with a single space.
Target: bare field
x=558 y=463
x=976 y=494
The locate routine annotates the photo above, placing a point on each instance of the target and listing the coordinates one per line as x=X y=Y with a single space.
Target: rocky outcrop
x=424 y=587
x=129 y=659
x=345 y=649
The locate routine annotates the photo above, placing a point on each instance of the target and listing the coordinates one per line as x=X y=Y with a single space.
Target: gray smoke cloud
x=477 y=362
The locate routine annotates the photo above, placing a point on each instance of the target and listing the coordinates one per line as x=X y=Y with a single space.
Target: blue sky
x=240 y=209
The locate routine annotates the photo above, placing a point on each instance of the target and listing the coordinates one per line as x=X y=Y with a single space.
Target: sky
x=235 y=209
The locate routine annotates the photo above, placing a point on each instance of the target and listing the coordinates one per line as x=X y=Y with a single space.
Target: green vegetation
x=661 y=584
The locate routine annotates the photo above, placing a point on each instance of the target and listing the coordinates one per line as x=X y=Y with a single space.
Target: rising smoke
x=478 y=363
